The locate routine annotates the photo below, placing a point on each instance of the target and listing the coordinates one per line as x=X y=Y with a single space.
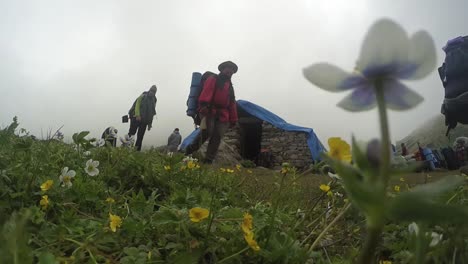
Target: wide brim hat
x=229 y=64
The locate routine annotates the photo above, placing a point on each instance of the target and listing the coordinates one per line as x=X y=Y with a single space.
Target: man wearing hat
x=218 y=110
x=141 y=115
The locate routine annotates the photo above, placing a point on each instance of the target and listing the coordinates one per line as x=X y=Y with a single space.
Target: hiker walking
x=141 y=115
x=174 y=141
x=217 y=109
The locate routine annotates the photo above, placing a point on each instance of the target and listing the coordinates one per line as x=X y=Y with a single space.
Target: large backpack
x=454 y=76
x=196 y=87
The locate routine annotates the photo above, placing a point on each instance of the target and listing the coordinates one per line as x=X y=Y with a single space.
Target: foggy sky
x=81 y=64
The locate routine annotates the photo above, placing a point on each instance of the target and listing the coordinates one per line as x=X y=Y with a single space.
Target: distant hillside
x=433 y=132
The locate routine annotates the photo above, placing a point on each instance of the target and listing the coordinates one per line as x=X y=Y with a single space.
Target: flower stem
x=212 y=206
x=372 y=239
x=233 y=255
x=275 y=208
x=328 y=226
x=375 y=223
x=385 y=133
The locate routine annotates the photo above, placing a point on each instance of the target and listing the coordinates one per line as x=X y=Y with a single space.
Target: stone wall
x=286 y=146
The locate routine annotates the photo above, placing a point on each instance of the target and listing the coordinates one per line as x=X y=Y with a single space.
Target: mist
x=81 y=64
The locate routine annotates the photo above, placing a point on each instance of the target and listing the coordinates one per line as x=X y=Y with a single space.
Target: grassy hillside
x=432 y=133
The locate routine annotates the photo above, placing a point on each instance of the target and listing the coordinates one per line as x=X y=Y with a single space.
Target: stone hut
x=268 y=140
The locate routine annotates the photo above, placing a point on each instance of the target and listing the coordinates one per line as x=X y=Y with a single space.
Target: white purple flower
x=413 y=228
x=435 y=239
x=387 y=56
x=91 y=167
x=66 y=177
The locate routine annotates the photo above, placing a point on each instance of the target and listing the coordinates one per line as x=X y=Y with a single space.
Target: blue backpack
x=454 y=76
x=196 y=88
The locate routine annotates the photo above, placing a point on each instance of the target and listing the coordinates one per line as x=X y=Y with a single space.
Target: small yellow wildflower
x=229 y=171
x=284 y=170
x=191 y=165
x=238 y=167
x=250 y=241
x=222 y=170
x=47 y=185
x=396 y=188
x=197 y=214
x=114 y=222
x=249 y=171
x=44 y=202
x=402 y=179
x=110 y=200
x=325 y=188
x=339 y=149
x=167 y=168
x=247 y=224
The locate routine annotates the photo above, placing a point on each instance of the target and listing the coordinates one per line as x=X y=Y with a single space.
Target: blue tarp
x=315 y=146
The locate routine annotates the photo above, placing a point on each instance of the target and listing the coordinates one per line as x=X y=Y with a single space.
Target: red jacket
x=222 y=105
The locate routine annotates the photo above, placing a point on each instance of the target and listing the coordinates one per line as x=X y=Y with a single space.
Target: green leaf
x=231 y=213
x=47 y=258
x=417 y=207
x=186 y=257
x=165 y=216
x=367 y=196
x=359 y=156
x=439 y=187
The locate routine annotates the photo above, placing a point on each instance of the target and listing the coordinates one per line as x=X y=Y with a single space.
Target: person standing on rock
x=217 y=109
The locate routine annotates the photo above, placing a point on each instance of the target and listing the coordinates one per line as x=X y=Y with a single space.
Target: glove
x=149 y=127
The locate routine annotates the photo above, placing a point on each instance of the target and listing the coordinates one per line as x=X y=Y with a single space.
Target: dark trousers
x=139 y=126
x=211 y=129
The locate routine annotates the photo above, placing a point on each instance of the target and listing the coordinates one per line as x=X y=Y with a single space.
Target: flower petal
x=386 y=43
x=422 y=54
x=71 y=173
x=399 y=97
x=331 y=78
x=96 y=163
x=361 y=99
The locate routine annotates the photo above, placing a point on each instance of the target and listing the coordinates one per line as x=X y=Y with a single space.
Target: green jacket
x=145 y=107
